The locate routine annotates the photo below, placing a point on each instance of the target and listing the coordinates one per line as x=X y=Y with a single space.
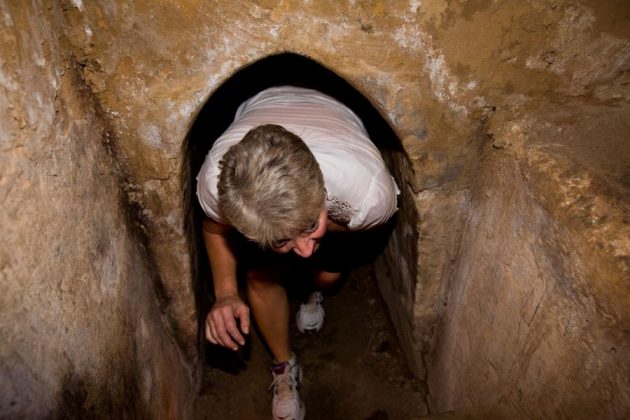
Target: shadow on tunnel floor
x=353 y=368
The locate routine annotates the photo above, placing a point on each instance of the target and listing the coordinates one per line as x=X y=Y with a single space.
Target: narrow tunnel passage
x=508 y=288
x=354 y=367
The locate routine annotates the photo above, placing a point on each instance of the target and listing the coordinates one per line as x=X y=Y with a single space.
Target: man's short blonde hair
x=270 y=185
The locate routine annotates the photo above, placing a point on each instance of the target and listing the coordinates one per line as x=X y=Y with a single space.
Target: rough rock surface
x=507 y=274
x=82 y=331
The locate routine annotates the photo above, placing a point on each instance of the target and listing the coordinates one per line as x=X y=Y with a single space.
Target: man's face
x=307 y=242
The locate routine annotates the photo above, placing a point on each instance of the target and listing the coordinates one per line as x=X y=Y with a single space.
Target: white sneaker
x=286 y=404
x=310 y=317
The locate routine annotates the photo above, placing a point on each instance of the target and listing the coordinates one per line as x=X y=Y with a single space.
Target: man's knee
x=327 y=278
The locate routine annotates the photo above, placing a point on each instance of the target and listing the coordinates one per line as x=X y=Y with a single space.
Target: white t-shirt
x=360 y=190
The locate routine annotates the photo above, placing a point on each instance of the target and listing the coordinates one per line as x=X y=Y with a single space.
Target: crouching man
x=294 y=165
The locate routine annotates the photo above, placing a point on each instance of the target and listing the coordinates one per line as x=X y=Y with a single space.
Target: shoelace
x=315 y=298
x=283 y=379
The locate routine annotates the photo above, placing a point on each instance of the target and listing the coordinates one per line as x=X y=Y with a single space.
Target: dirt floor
x=353 y=368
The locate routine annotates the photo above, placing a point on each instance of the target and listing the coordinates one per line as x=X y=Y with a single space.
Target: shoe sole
x=309 y=331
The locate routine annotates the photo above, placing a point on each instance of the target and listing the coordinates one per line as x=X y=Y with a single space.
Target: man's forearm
x=221 y=257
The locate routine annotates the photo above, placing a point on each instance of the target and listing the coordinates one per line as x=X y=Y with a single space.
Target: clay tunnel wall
x=506 y=280
x=82 y=326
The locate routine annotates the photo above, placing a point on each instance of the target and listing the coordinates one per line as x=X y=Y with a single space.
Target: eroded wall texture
x=507 y=274
x=83 y=334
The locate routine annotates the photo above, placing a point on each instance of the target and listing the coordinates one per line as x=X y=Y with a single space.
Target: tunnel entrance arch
x=218 y=113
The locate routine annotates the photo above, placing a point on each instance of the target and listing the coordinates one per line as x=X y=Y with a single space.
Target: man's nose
x=304 y=247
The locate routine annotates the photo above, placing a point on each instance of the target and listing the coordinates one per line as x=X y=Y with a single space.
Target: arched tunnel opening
x=359 y=336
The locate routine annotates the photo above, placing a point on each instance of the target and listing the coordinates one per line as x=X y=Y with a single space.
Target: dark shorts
x=338 y=252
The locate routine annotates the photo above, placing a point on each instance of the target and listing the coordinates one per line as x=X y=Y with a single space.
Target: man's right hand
x=221 y=326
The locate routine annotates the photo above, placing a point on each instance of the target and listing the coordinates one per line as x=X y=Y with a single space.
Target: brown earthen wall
x=82 y=331
x=543 y=84
x=526 y=332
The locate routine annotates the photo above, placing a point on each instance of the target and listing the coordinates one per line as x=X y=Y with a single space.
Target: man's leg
x=325 y=279
x=270 y=306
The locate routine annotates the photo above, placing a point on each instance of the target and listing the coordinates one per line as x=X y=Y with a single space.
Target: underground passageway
x=501 y=290
x=354 y=368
